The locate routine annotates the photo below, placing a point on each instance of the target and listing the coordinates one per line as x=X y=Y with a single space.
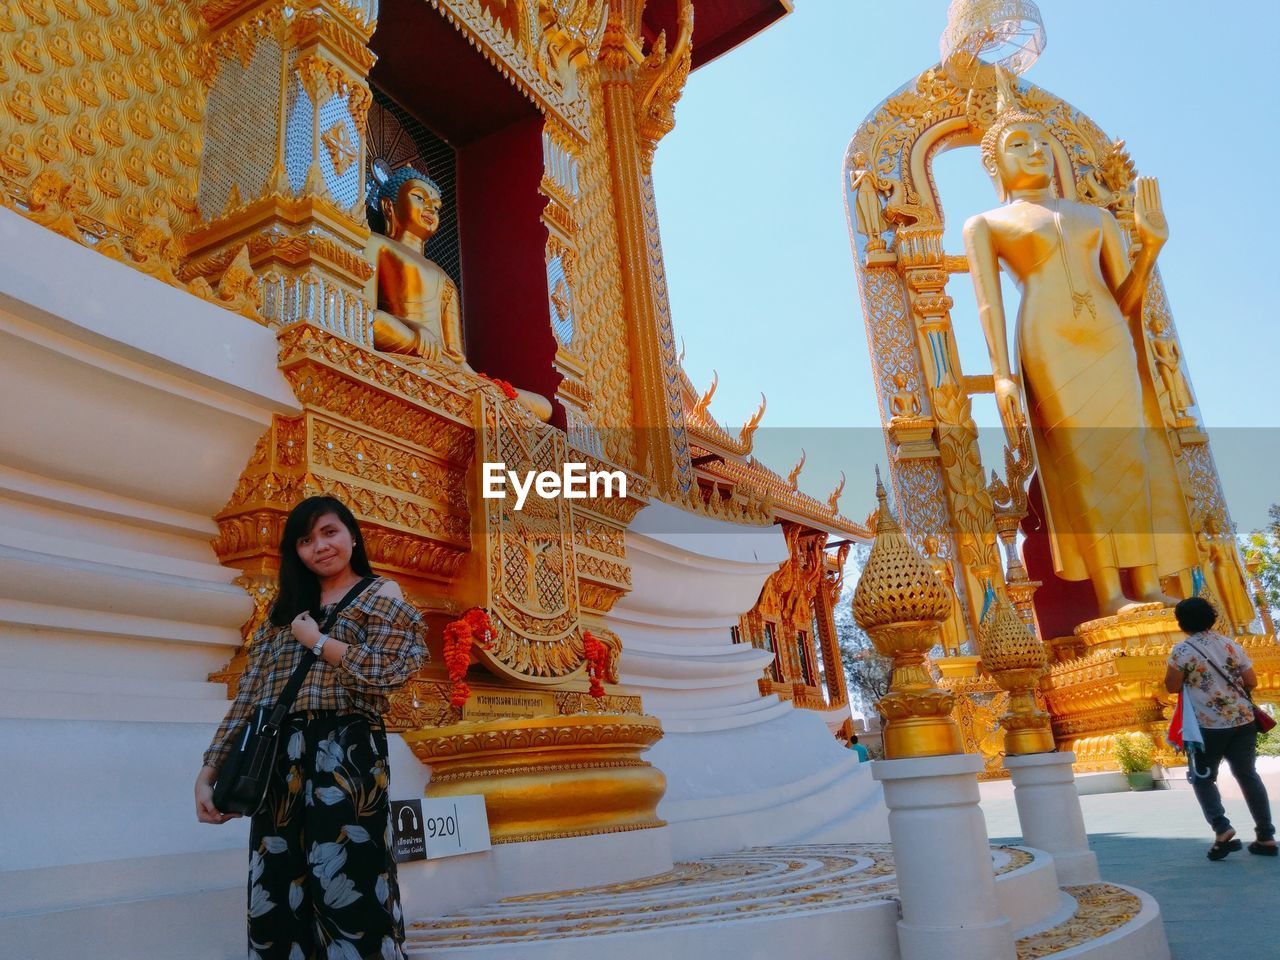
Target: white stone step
x=765 y=902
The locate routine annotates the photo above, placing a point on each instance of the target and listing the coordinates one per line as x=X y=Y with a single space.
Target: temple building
x=259 y=251
x=793 y=617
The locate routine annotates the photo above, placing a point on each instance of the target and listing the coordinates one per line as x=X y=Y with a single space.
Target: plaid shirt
x=386 y=638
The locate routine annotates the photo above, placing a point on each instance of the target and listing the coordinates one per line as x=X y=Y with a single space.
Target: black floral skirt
x=322 y=881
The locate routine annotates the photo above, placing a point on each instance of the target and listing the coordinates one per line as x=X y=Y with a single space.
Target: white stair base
x=777 y=901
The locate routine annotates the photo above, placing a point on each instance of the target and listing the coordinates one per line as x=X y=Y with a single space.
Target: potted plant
x=1135 y=754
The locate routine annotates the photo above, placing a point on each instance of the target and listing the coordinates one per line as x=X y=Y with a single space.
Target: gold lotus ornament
x=901 y=604
x=1016 y=661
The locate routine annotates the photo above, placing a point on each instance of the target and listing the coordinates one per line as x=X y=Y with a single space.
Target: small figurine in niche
x=904 y=404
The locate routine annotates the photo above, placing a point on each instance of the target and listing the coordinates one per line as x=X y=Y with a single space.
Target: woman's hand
x=1148 y=215
x=305 y=629
x=206 y=812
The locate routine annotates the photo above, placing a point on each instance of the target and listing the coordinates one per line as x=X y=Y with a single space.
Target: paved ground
x=1228 y=910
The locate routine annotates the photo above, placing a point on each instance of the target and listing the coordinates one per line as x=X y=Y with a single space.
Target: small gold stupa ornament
x=1016 y=661
x=901 y=604
x=985 y=35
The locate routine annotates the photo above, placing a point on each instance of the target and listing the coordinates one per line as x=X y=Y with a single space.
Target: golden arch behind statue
x=908 y=312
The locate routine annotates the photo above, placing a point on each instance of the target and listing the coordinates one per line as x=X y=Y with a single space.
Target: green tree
x=1263 y=547
x=865 y=671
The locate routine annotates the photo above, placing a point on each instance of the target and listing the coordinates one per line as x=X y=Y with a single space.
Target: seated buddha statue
x=417 y=302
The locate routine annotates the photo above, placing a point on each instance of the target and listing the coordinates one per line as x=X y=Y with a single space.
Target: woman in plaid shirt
x=322 y=881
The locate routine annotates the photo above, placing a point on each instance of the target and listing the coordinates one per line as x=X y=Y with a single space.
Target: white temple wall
x=128 y=410
x=742 y=770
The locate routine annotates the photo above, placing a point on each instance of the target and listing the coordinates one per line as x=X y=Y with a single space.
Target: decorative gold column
x=1016 y=660
x=282 y=171
x=901 y=603
x=640 y=93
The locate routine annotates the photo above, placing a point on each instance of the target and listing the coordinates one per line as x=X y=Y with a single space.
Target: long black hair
x=299 y=587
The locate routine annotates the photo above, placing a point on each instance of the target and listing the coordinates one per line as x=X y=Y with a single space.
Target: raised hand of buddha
x=1148 y=216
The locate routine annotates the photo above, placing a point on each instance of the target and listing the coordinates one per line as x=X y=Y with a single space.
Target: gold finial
x=833 y=501
x=1016 y=660
x=704 y=402
x=793 y=478
x=900 y=602
x=1007 y=642
x=897 y=584
x=749 y=428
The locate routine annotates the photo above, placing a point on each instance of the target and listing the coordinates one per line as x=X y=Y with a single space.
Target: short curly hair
x=1195 y=614
x=991 y=139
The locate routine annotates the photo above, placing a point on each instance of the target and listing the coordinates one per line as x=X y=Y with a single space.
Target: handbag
x=1261 y=718
x=241 y=786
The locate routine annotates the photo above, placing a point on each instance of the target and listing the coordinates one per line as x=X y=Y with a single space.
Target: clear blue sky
x=757 y=250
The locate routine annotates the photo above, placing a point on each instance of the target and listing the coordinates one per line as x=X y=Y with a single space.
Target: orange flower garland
x=596 y=655
x=474 y=626
x=508 y=390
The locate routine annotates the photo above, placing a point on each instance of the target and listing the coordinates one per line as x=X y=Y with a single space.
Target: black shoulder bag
x=241 y=786
x=1263 y=719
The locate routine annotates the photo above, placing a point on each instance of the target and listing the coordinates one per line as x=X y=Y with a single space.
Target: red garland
x=596 y=655
x=508 y=390
x=474 y=626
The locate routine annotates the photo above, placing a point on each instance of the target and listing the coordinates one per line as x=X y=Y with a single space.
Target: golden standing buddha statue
x=1106 y=468
x=417 y=303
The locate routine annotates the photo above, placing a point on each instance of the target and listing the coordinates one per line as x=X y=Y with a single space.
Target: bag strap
x=299 y=674
x=1218 y=670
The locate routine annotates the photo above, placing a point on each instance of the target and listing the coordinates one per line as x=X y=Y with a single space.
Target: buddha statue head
x=1017 y=151
x=409 y=202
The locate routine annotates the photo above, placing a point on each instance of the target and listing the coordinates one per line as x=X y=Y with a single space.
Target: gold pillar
x=901 y=603
x=639 y=100
x=283 y=164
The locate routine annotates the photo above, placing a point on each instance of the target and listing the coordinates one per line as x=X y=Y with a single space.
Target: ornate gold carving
x=1100 y=909
x=63 y=62
x=659 y=83
x=598 y=296
x=543 y=777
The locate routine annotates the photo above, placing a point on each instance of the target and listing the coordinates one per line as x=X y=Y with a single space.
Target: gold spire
x=1016 y=660
x=897 y=584
x=1007 y=643
x=900 y=602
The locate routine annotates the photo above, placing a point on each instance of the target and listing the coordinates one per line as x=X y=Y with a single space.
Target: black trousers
x=322 y=882
x=1239 y=746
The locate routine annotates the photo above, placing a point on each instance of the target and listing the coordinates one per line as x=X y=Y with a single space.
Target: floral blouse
x=1217 y=704
x=387 y=646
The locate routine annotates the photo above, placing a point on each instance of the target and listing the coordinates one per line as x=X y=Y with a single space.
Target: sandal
x=1263 y=849
x=1221 y=848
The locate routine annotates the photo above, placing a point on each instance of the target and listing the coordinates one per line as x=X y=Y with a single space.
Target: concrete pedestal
x=945 y=879
x=1044 y=790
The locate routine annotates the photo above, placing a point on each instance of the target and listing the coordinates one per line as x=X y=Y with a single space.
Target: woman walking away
x=1216 y=675
x=322 y=881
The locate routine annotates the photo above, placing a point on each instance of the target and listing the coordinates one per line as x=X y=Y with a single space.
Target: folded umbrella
x=1185 y=736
